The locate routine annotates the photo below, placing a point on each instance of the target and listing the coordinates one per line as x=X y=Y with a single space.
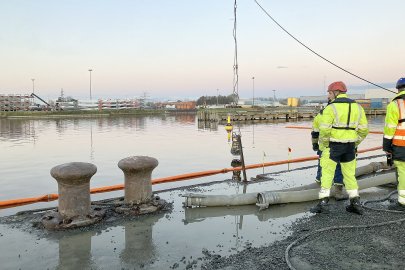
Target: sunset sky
x=185 y=48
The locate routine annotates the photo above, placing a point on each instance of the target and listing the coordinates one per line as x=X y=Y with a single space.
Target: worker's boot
x=321 y=207
x=340 y=194
x=355 y=206
x=396 y=206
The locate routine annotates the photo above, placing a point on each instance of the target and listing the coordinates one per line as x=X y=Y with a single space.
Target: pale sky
x=185 y=48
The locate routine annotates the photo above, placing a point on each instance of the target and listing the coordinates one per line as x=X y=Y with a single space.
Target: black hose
x=381 y=200
x=287 y=251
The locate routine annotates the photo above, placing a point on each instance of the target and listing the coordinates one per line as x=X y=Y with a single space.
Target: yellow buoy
x=229 y=128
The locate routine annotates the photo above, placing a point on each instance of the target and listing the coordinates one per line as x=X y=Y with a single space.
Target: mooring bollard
x=74 y=188
x=138 y=175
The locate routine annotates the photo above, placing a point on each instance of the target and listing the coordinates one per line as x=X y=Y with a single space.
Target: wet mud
x=33 y=221
x=214 y=237
x=371 y=247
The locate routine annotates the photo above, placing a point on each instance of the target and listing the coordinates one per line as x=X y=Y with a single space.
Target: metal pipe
x=264 y=199
x=313 y=189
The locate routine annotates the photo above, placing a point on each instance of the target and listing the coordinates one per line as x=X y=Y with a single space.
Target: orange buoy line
x=301 y=127
x=181 y=177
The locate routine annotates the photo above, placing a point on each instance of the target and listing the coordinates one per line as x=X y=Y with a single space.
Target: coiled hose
x=290 y=246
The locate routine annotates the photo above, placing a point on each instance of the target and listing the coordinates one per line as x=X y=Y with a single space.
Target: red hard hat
x=337 y=86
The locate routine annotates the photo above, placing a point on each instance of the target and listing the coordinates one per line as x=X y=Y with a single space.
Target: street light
x=33 y=87
x=90 y=70
x=274 y=98
x=253 y=81
x=217 y=96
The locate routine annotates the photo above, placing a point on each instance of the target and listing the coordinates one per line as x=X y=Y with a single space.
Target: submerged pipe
x=303 y=192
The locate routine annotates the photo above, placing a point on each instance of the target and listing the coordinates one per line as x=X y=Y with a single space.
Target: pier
x=268 y=113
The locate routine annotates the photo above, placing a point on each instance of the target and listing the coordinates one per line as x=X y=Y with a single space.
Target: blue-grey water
x=30 y=148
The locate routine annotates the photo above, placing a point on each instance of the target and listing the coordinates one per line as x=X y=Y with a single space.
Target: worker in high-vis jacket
x=394 y=140
x=343 y=126
x=338 y=178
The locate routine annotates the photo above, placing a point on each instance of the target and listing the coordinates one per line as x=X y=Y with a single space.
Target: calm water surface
x=30 y=148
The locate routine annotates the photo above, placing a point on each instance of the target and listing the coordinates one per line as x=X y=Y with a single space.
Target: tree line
x=214 y=100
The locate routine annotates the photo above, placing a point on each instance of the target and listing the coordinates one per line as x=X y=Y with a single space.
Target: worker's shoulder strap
x=399 y=97
x=343 y=100
x=400 y=101
x=321 y=111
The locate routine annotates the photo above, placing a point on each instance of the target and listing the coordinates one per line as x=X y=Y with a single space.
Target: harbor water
x=181 y=144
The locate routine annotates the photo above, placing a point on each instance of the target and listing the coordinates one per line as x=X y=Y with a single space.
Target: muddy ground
x=123 y=242
x=381 y=247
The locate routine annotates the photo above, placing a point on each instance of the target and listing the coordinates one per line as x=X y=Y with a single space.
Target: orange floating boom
x=301 y=127
x=181 y=177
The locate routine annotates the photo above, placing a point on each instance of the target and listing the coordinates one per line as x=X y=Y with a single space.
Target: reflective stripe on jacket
x=394 y=128
x=343 y=121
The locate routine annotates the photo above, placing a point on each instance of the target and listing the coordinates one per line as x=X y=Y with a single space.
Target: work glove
x=390 y=161
x=315 y=147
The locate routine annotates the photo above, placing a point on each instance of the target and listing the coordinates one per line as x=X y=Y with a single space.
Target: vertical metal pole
x=90 y=70
x=33 y=86
x=253 y=100
x=242 y=159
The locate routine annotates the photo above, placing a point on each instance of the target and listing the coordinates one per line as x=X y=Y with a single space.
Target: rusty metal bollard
x=138 y=174
x=74 y=188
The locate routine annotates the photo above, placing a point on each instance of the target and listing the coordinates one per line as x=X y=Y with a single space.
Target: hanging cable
x=235 y=61
x=317 y=54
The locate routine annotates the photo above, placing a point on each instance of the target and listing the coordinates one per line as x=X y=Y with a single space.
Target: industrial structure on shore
x=374 y=99
x=28 y=102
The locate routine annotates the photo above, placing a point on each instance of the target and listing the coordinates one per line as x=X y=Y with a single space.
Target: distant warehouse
x=185 y=105
x=376 y=99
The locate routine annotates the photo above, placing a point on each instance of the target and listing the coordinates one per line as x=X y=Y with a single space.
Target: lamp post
x=90 y=70
x=33 y=86
x=274 y=98
x=217 y=96
x=253 y=82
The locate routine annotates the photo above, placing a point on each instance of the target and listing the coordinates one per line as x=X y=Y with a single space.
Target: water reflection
x=198 y=214
x=75 y=251
x=139 y=246
x=91 y=143
x=206 y=125
x=185 y=118
x=75 y=248
x=17 y=129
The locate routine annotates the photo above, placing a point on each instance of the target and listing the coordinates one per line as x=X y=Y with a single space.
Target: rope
x=317 y=54
x=287 y=251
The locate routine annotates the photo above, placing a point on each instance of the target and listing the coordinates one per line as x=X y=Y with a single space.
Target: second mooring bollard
x=138 y=176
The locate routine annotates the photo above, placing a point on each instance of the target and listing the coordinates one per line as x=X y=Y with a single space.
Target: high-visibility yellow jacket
x=342 y=121
x=394 y=129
